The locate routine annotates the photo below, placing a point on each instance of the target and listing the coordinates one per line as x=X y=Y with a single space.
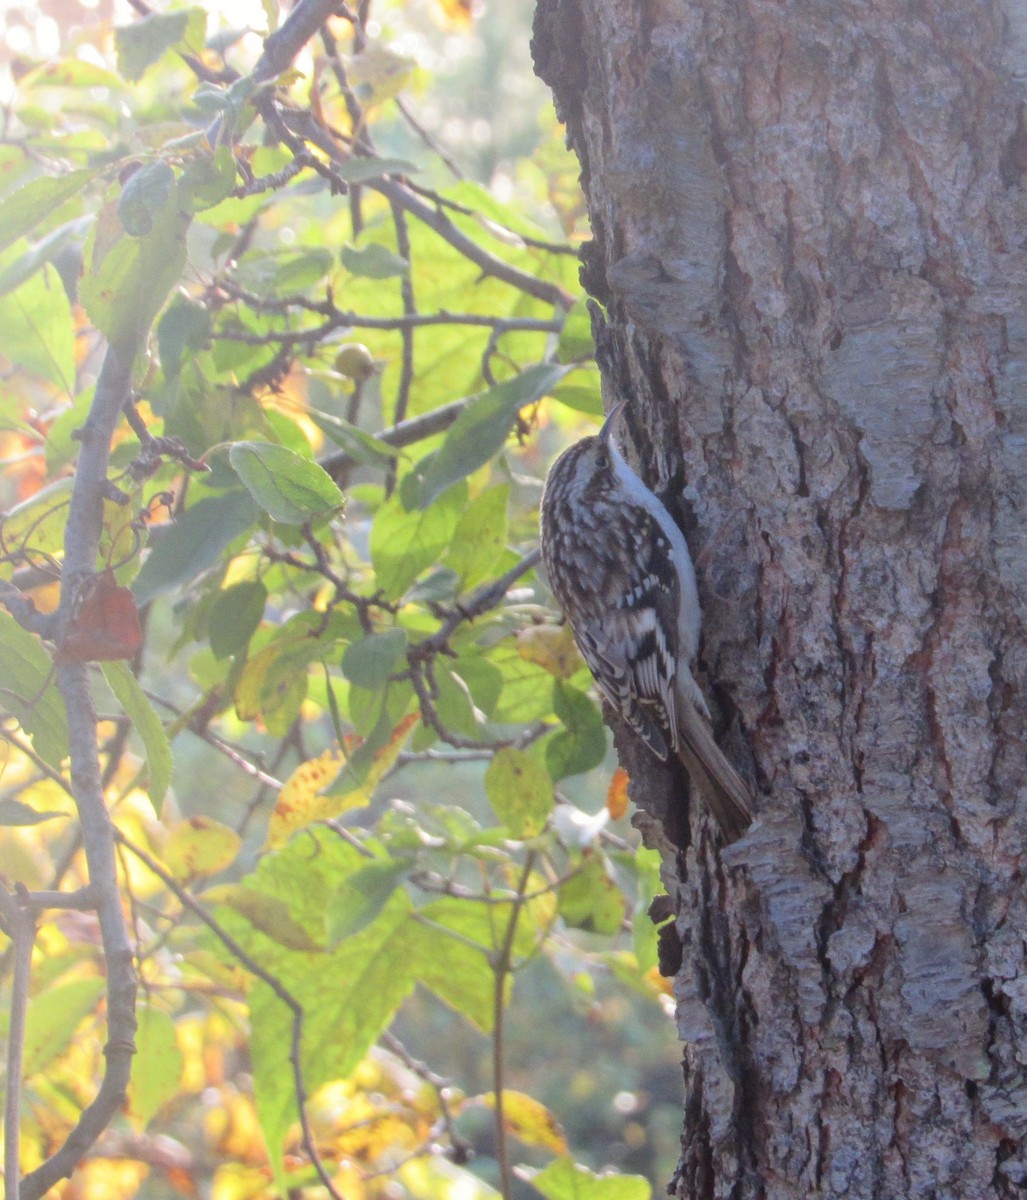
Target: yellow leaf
x=552 y=648
x=200 y=846
x=300 y=801
x=528 y=1120
x=617 y=794
x=378 y=74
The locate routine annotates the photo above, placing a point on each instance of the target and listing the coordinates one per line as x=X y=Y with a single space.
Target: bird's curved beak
x=611 y=417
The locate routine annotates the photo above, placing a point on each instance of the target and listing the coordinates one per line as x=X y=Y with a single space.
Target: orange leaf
x=617 y=794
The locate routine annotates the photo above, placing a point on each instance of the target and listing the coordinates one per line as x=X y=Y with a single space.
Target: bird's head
x=587 y=469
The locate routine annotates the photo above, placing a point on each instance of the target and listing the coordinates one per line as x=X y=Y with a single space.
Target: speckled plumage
x=620 y=570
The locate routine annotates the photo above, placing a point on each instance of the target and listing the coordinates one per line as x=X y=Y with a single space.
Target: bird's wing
x=631 y=651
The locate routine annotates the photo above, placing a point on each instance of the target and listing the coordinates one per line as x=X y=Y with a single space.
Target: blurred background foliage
x=348 y=771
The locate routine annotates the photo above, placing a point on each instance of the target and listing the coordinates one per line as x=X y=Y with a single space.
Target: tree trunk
x=809 y=230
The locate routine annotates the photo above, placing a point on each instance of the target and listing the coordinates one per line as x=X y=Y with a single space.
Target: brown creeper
x=620 y=569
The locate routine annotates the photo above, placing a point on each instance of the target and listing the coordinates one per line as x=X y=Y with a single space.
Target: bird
x=619 y=567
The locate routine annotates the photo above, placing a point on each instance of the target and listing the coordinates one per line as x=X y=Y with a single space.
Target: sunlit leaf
x=590 y=899
x=146 y=723
x=520 y=791
x=528 y=1120
x=288 y=487
x=198 y=847
x=158 y=1064
x=551 y=647
x=53 y=1018
x=480 y=537
x=142 y=43
x=403 y=544
x=483 y=427
x=27 y=690
x=300 y=801
x=38 y=332
x=567 y=1180
x=144 y=195
x=269 y=914
x=373 y=261
x=31 y=204
x=128 y=278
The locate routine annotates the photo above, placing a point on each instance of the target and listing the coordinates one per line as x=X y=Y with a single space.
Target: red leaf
x=105 y=624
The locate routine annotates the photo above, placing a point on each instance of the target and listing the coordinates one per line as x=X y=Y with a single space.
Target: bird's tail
x=726 y=794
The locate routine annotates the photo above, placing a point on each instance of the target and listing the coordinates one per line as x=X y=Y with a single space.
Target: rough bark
x=809 y=248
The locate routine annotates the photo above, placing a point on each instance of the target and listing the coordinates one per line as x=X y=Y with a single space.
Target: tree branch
x=82 y=537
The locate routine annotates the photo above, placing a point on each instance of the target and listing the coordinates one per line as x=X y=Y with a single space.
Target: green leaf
x=58 y=247
x=207 y=179
x=128 y=278
x=364 y=447
x=13 y=812
x=53 y=1019
x=403 y=544
x=482 y=428
x=582 y=744
x=453 y=702
x=527 y=693
x=582 y=392
x=373 y=261
x=185 y=325
x=38 y=329
x=480 y=537
x=144 y=42
x=348 y=995
x=369 y=662
x=27 y=690
x=158 y=1064
x=361 y=898
x=234 y=617
x=565 y=1179
x=30 y=205
x=144 y=195
x=458 y=973
x=194 y=543
x=289 y=488
x=520 y=791
x=591 y=900
x=146 y=723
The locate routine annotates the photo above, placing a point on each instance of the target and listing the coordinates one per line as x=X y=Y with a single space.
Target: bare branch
x=82 y=537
